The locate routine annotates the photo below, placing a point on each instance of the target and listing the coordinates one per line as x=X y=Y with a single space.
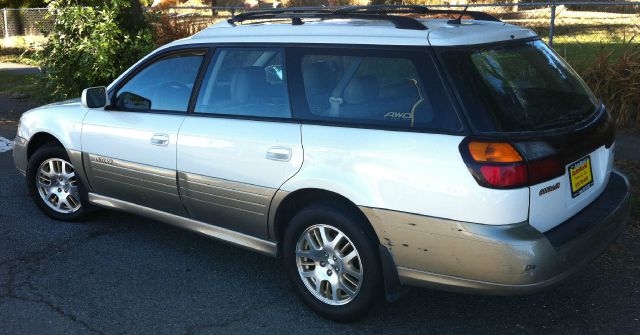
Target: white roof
x=358 y=31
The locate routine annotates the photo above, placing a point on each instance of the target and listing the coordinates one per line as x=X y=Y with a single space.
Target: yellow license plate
x=580 y=176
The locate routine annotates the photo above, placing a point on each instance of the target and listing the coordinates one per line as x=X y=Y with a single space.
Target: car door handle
x=161 y=140
x=279 y=154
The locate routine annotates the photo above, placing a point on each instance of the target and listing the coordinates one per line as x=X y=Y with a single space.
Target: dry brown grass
x=616 y=80
x=169 y=26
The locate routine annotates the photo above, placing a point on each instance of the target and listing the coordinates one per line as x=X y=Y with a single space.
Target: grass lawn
x=18 y=55
x=12 y=58
x=579 y=37
x=22 y=84
x=581 y=55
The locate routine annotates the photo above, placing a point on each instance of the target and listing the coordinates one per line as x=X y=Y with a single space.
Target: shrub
x=91 y=46
x=616 y=80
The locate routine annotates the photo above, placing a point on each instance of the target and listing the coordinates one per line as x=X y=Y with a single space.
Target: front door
x=129 y=149
x=239 y=145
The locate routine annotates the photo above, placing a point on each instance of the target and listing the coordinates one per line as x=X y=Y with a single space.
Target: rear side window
x=518 y=87
x=164 y=85
x=380 y=88
x=245 y=82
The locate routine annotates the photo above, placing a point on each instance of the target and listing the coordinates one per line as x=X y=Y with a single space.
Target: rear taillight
x=504 y=176
x=501 y=165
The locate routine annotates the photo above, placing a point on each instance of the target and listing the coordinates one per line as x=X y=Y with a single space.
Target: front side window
x=390 y=90
x=518 y=87
x=164 y=85
x=245 y=82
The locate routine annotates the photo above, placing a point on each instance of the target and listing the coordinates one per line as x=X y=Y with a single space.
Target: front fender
x=61 y=120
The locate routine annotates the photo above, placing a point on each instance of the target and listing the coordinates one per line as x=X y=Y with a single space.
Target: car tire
x=301 y=240
x=67 y=197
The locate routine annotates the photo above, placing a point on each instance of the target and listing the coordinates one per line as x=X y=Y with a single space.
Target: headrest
x=319 y=77
x=405 y=88
x=363 y=89
x=247 y=84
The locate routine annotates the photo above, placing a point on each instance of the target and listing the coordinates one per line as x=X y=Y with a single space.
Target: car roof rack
x=374 y=12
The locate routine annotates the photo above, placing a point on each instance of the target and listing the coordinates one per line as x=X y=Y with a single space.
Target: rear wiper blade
x=565 y=119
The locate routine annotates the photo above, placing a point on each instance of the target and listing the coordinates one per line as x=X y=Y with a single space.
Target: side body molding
x=239 y=206
x=145 y=185
x=230 y=236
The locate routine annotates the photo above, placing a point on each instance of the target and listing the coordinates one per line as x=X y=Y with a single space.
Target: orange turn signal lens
x=494 y=152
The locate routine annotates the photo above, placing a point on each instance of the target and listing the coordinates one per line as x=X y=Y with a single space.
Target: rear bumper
x=509 y=259
x=20 y=154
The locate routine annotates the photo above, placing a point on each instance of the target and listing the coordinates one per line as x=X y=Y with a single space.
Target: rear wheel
x=55 y=186
x=330 y=257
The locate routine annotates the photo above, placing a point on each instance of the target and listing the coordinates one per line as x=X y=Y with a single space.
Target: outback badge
x=549 y=189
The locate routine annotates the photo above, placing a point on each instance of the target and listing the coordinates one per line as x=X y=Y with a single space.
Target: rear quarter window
x=388 y=89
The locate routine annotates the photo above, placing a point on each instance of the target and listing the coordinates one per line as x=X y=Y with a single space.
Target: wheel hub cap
x=329 y=264
x=58 y=185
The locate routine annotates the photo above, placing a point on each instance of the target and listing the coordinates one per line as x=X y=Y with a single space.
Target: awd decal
x=104 y=160
x=549 y=189
x=398 y=115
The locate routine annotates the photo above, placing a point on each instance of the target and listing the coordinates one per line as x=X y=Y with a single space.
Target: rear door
x=239 y=145
x=130 y=148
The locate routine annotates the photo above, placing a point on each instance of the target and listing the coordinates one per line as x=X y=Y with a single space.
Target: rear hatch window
x=518 y=87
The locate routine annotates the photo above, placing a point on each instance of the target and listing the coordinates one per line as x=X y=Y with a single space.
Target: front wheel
x=54 y=185
x=331 y=258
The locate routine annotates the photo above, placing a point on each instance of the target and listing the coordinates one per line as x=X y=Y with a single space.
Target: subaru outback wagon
x=368 y=149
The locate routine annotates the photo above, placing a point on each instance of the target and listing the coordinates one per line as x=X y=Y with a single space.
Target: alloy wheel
x=329 y=264
x=57 y=185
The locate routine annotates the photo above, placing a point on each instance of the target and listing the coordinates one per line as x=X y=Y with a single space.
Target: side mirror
x=94 y=97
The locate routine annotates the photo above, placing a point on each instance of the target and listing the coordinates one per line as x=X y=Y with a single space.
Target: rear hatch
x=523 y=94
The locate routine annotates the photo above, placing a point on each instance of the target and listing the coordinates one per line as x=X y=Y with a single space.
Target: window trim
x=153 y=58
x=289 y=47
x=211 y=62
x=300 y=106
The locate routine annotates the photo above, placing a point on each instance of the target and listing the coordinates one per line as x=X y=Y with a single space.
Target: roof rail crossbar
x=376 y=12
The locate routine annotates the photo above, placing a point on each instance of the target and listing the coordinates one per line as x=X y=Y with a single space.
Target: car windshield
x=518 y=87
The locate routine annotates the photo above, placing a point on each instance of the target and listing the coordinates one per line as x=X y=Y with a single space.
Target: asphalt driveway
x=122 y=274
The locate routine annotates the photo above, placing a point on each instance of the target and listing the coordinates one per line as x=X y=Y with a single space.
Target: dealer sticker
x=581 y=176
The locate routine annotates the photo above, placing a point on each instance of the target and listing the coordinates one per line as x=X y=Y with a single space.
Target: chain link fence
x=24 y=22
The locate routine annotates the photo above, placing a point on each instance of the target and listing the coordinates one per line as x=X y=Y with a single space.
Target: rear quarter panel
x=402 y=171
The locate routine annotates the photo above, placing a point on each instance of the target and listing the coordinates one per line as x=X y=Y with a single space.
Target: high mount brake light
x=501 y=165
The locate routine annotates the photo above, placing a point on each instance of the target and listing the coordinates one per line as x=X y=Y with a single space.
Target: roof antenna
x=458 y=20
